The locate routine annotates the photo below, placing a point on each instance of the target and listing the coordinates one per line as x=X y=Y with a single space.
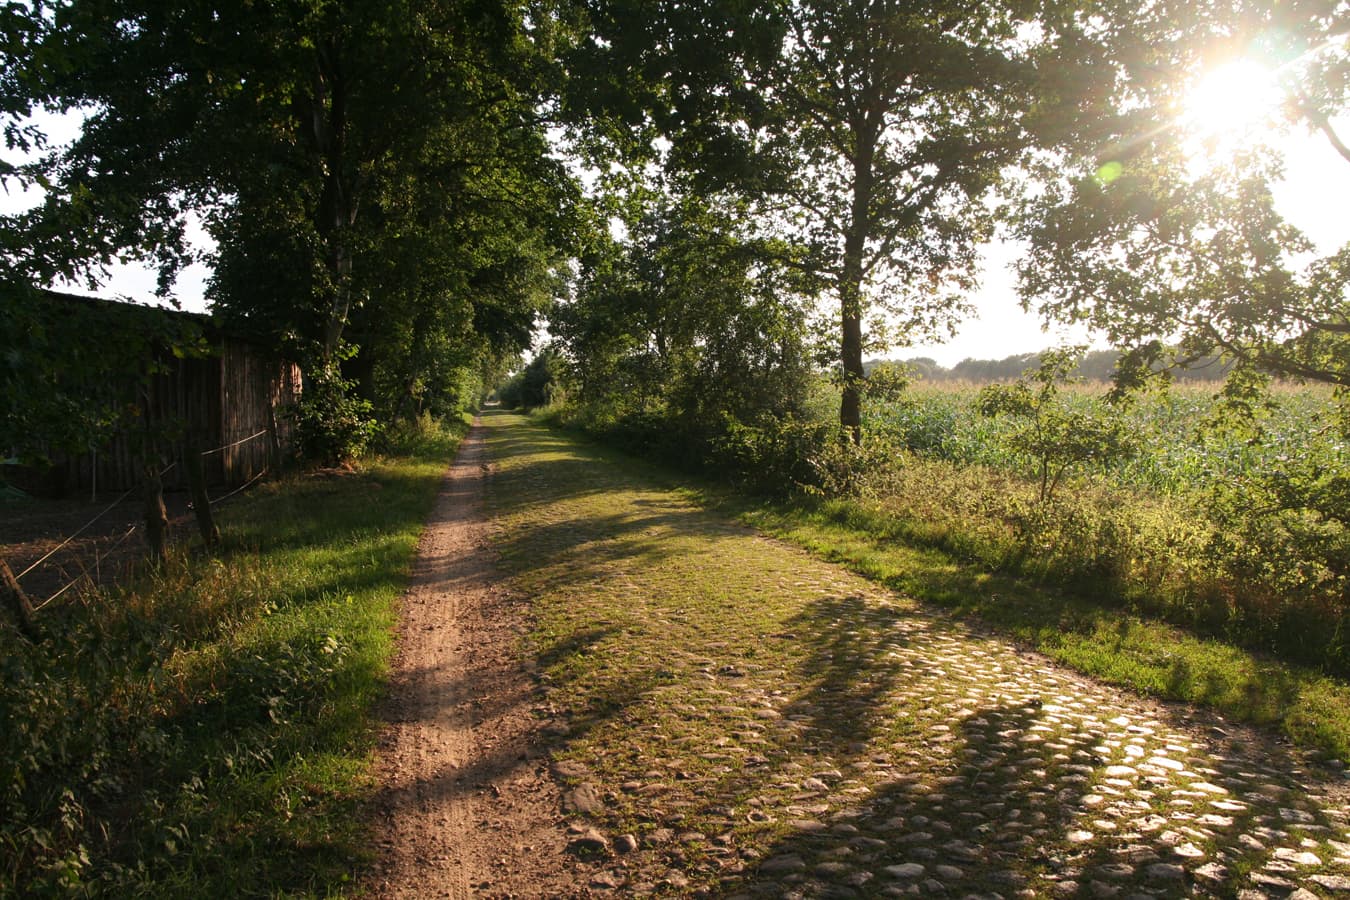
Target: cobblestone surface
x=1022 y=779
x=794 y=731
x=1016 y=779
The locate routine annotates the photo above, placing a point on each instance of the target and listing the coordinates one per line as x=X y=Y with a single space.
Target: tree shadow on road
x=977 y=811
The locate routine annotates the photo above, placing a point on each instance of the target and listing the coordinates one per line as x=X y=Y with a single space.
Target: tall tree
x=297 y=127
x=888 y=118
x=687 y=321
x=868 y=132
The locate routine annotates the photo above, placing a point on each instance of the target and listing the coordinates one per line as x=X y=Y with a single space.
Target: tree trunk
x=340 y=264
x=336 y=212
x=18 y=603
x=850 y=402
x=275 y=460
x=851 y=289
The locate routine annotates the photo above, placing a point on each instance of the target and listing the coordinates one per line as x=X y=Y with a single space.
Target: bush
x=1055 y=437
x=331 y=426
x=774 y=455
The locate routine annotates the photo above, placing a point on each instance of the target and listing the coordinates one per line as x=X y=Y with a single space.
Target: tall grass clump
x=205 y=729
x=1235 y=527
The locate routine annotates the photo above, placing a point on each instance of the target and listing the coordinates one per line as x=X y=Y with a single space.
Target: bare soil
x=100 y=555
x=468 y=805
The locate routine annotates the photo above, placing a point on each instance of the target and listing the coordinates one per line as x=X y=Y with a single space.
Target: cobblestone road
x=731 y=717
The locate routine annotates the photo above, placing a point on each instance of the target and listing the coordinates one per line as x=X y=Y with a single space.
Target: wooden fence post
x=201 y=502
x=156 y=517
x=274 y=458
x=18 y=602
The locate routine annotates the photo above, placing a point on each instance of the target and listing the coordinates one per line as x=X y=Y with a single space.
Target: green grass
x=208 y=729
x=918 y=541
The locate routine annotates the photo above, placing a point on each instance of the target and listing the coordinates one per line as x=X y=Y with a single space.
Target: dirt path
x=469 y=807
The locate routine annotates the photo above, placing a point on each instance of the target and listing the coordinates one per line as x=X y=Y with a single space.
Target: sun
x=1233 y=102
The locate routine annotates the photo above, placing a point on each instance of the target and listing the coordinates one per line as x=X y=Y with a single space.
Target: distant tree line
x=1094 y=365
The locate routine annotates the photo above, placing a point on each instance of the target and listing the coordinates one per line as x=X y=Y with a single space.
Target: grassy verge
x=208 y=729
x=763 y=723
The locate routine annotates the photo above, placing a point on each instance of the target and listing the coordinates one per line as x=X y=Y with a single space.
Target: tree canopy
x=369 y=171
x=390 y=202
x=689 y=318
x=1170 y=240
x=869 y=136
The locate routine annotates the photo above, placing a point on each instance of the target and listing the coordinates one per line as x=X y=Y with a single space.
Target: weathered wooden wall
x=253 y=391
x=184 y=399
x=216 y=401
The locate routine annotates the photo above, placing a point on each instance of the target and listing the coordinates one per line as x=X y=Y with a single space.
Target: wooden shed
x=227 y=396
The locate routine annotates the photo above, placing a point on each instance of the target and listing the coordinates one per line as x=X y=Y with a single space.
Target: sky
x=1313 y=197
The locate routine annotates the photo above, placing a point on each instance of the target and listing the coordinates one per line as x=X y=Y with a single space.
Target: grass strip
x=208 y=730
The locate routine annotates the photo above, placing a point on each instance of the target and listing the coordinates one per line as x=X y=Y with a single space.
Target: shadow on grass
x=551 y=466
x=232 y=766
x=542 y=477
x=851 y=667
x=592 y=544
x=1263 y=698
x=575 y=644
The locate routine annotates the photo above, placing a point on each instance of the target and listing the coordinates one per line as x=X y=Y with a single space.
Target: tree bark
x=851 y=288
x=274 y=456
x=850 y=401
x=201 y=501
x=337 y=204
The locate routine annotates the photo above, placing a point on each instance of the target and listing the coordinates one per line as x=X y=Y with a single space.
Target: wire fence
x=241 y=487
x=110 y=507
x=206 y=453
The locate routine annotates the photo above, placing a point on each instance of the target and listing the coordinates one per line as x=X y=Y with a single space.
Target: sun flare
x=1233 y=101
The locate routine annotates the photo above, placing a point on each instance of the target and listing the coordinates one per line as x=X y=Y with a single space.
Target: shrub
x=1053 y=435
x=774 y=455
x=331 y=425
